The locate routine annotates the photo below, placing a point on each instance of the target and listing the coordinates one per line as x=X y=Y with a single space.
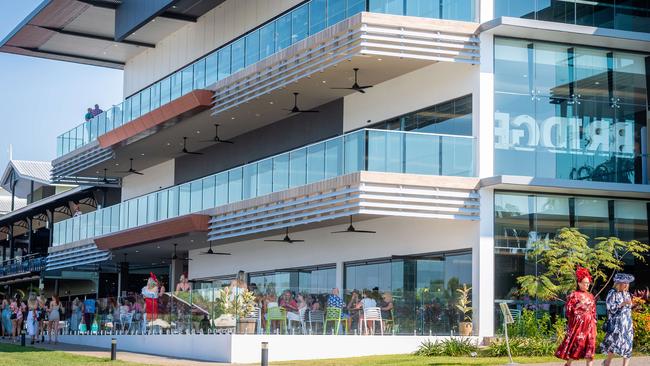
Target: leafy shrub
x=532 y=324
x=520 y=346
x=452 y=347
x=641 y=321
x=559 y=328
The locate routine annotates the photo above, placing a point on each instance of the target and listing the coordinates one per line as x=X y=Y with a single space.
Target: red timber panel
x=190 y=103
x=156 y=231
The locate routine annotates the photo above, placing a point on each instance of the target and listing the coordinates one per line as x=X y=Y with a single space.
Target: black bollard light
x=113 y=349
x=22 y=337
x=265 y=353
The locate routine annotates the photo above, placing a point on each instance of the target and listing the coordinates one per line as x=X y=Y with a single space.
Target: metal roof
x=24 y=172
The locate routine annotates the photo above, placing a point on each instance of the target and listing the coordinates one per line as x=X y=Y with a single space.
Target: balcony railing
x=22 y=265
x=258 y=44
x=367 y=149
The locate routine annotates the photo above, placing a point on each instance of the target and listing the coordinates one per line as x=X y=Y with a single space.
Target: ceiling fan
x=185 y=151
x=286 y=239
x=295 y=108
x=131 y=170
x=356 y=86
x=175 y=256
x=352 y=229
x=211 y=252
x=216 y=137
x=105 y=179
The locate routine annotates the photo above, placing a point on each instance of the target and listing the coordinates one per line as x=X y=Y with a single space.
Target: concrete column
x=483 y=268
x=484 y=106
x=339 y=277
x=175 y=271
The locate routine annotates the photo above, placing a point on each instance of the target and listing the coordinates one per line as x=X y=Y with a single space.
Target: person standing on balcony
x=580 y=339
x=97 y=110
x=89 y=115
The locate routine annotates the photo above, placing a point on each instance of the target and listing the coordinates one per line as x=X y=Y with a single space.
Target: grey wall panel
x=287 y=134
x=132 y=14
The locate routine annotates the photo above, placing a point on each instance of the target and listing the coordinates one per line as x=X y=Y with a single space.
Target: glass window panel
x=511 y=63
x=152 y=210
x=334 y=158
x=283 y=32
x=211 y=65
x=300 y=23
x=387 y=6
x=265 y=177
x=75 y=228
x=222 y=188
x=592 y=216
x=267 y=40
x=354 y=152
x=422 y=154
x=133 y=213
x=172 y=202
x=252 y=48
x=199 y=74
x=385 y=151
x=335 y=11
x=127 y=110
x=632 y=15
x=355 y=6
x=196 y=196
x=109 y=119
x=297 y=168
x=115 y=218
x=165 y=90
x=317 y=16
x=280 y=172
x=458 y=10
x=250 y=181
x=135 y=106
x=155 y=96
x=91 y=225
x=457 y=156
x=556 y=11
x=101 y=124
x=209 y=192
x=514 y=8
x=237 y=54
x=187 y=76
x=224 y=62
x=161 y=197
x=551 y=213
x=145 y=101
x=315 y=163
x=176 y=85
x=117 y=115
x=631 y=220
x=235 y=185
x=124 y=215
x=142 y=210
x=184 y=199
x=423 y=8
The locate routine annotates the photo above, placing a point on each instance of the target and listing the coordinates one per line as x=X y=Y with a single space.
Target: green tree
x=560 y=257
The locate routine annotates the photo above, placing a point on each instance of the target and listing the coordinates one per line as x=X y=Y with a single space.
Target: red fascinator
x=153 y=276
x=582 y=273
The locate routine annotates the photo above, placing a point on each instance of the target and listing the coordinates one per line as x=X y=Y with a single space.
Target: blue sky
x=40 y=99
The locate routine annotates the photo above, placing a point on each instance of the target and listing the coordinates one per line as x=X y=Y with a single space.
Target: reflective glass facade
x=570 y=112
x=423 y=288
x=316 y=282
x=629 y=15
x=279 y=33
x=522 y=219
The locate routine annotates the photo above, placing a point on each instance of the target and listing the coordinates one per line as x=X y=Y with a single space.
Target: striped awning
x=76 y=256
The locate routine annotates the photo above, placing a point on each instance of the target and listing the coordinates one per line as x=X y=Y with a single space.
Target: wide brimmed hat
x=623 y=278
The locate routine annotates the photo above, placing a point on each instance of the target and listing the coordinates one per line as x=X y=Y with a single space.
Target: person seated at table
x=314 y=304
x=353 y=311
x=334 y=300
x=366 y=302
x=300 y=301
x=290 y=305
x=387 y=306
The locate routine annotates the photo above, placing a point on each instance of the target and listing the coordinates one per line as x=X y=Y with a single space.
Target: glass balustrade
x=283 y=31
x=367 y=149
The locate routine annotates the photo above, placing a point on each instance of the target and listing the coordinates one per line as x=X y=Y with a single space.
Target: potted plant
x=465 y=307
x=236 y=309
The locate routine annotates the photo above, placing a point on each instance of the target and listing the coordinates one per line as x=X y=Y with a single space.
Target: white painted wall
x=416 y=90
x=217 y=27
x=395 y=236
x=154 y=178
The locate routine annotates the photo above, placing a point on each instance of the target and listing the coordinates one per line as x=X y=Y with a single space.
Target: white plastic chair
x=302 y=313
x=372 y=314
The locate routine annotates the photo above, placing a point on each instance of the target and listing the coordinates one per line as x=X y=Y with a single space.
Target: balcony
x=362 y=150
x=280 y=34
x=20 y=266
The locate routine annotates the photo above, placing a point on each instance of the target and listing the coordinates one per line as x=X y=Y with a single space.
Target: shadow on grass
x=13 y=348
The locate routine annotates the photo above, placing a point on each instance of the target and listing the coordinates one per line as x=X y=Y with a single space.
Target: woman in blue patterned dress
x=619 y=333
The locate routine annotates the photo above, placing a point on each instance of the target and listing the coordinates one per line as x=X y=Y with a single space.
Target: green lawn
x=409 y=360
x=13 y=355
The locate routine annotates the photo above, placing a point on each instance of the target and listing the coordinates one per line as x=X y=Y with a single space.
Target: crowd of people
x=37 y=316
x=580 y=339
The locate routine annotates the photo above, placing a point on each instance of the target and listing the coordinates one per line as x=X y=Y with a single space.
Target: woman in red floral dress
x=580 y=339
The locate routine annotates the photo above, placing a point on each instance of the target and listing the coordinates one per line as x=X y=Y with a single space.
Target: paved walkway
x=121 y=355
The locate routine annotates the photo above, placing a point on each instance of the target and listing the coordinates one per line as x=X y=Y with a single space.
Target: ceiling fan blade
x=340 y=232
x=363 y=231
x=122 y=171
x=218 y=253
x=276 y=240
x=291 y=241
x=365 y=86
x=287 y=109
x=360 y=91
x=192 y=153
x=310 y=111
x=136 y=172
x=210 y=140
x=226 y=141
x=344 y=88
